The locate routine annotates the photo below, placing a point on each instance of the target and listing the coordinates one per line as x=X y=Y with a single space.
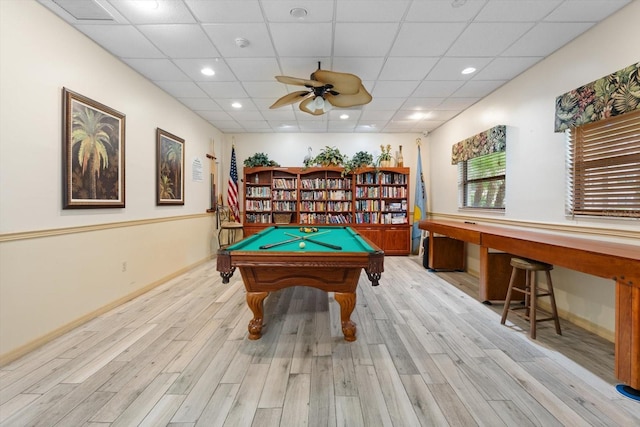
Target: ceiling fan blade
x=344 y=83
x=298 y=82
x=291 y=98
x=344 y=101
x=304 y=106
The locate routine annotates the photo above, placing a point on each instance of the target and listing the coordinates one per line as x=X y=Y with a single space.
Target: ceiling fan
x=326 y=89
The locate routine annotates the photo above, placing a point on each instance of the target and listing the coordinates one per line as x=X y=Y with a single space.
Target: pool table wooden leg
x=254 y=301
x=347 y=301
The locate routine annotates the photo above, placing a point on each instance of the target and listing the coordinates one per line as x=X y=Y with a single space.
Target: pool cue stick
x=273 y=245
x=304 y=236
x=328 y=245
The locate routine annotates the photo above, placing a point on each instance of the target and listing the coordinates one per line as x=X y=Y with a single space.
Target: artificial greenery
x=259 y=159
x=385 y=155
x=360 y=159
x=328 y=156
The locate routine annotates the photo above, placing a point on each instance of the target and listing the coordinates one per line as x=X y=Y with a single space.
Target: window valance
x=490 y=141
x=609 y=96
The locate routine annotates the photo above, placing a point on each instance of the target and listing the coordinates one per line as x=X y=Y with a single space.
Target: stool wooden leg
x=554 y=309
x=533 y=290
x=507 y=301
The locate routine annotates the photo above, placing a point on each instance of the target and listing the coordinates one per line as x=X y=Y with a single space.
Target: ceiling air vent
x=84 y=10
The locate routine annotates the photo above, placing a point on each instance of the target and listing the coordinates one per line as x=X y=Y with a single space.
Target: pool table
x=329 y=258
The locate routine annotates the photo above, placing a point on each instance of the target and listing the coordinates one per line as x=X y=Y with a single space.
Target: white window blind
x=481 y=181
x=603 y=165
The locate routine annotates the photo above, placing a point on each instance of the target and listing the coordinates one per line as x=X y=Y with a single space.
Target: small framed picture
x=170 y=169
x=93 y=153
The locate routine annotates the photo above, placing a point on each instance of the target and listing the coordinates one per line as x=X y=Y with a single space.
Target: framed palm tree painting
x=93 y=153
x=170 y=169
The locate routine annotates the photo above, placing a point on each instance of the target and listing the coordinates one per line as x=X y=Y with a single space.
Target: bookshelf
x=373 y=201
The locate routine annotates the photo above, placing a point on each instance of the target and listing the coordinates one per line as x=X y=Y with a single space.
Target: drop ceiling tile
x=441 y=115
x=431 y=39
x=451 y=68
x=443 y=11
x=410 y=68
x=223 y=90
x=421 y=104
x=224 y=38
x=546 y=38
x=384 y=103
x=279 y=114
x=392 y=89
x=457 y=103
x=226 y=126
x=372 y=127
x=139 y=12
x=478 y=88
x=256 y=125
x=334 y=114
x=180 y=41
x=365 y=68
x=121 y=40
x=302 y=40
x=157 y=69
x=227 y=104
x=192 y=67
x=222 y=11
x=585 y=11
x=254 y=69
x=377 y=115
x=272 y=90
x=505 y=68
x=487 y=39
x=182 y=89
x=371 y=10
x=437 y=89
x=355 y=39
x=200 y=104
x=242 y=116
x=516 y=11
x=215 y=115
x=302 y=67
x=279 y=10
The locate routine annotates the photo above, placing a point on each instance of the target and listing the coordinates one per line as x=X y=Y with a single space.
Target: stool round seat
x=530 y=265
x=531 y=293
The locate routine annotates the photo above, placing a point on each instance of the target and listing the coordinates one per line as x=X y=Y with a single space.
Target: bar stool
x=531 y=293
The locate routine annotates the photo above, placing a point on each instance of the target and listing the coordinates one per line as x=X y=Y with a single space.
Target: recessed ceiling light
x=468 y=70
x=236 y=105
x=207 y=71
x=298 y=12
x=417 y=116
x=344 y=116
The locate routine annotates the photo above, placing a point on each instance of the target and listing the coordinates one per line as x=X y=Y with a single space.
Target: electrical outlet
x=124 y=266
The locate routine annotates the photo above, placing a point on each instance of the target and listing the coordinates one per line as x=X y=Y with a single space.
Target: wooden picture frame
x=169 y=169
x=93 y=142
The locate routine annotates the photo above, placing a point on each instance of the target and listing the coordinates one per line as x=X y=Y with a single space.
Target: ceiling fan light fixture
x=318 y=103
x=298 y=12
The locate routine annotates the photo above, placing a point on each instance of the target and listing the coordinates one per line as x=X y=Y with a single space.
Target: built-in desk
x=615 y=261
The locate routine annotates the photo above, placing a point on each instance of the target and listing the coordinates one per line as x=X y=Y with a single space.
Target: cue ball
x=302 y=245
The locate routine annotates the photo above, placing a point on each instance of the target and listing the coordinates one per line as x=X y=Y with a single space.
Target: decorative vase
x=385 y=163
x=400 y=159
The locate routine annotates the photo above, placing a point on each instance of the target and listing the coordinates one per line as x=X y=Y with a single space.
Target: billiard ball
x=302 y=245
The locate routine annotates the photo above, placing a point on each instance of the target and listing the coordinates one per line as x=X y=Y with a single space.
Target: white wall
x=56 y=265
x=536 y=155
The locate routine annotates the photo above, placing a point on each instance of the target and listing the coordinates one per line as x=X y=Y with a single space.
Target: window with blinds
x=603 y=165
x=481 y=181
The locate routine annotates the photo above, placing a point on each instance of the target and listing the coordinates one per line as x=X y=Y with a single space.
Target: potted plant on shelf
x=359 y=160
x=259 y=159
x=329 y=156
x=385 y=158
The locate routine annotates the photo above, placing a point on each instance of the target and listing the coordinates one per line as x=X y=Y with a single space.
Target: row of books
x=258 y=205
x=397 y=192
x=285 y=183
x=258 y=191
x=316 y=218
x=258 y=218
x=367 y=205
x=285 y=195
x=325 y=183
x=394 y=206
x=284 y=206
x=393 y=218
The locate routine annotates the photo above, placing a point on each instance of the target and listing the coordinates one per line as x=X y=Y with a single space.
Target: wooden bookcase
x=373 y=201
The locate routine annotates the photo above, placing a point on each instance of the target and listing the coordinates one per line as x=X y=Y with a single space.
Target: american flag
x=232 y=193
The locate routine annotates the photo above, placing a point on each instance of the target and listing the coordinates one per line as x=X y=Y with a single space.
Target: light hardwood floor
x=428 y=353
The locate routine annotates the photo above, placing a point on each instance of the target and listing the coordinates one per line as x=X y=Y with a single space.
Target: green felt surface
x=345 y=237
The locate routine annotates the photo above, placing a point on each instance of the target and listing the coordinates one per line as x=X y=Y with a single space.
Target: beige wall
x=59 y=266
x=535 y=191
